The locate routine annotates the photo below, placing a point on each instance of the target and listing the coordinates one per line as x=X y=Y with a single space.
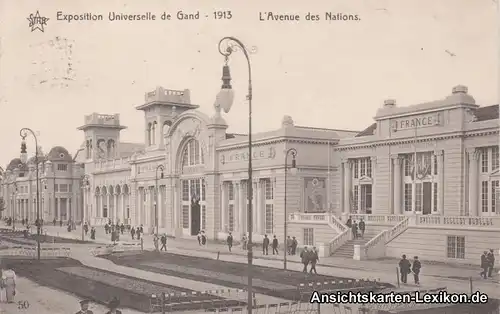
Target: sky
x=332 y=74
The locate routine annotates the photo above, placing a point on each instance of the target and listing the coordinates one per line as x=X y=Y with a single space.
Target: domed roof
x=59 y=153
x=14 y=163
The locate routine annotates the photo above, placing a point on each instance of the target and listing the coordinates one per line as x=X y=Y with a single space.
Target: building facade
x=423 y=176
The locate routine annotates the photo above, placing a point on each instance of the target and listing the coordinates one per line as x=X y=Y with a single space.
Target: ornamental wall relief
x=315 y=194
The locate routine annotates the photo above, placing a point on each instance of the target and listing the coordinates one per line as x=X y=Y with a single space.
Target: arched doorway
x=193 y=205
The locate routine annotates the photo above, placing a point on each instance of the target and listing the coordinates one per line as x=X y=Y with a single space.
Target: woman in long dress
x=9 y=280
x=3 y=295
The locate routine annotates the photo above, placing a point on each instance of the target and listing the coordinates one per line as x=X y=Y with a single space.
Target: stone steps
x=347 y=250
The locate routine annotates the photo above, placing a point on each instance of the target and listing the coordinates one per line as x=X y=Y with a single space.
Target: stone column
x=122 y=209
x=224 y=208
x=58 y=209
x=440 y=181
x=398 y=206
x=115 y=208
x=347 y=186
x=176 y=208
x=108 y=205
x=473 y=181
x=260 y=207
x=159 y=205
x=373 y=160
x=140 y=205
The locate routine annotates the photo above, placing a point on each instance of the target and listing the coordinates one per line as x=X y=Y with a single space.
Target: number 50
x=23 y=305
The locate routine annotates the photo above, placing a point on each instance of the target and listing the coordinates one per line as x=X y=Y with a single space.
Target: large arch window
x=192 y=155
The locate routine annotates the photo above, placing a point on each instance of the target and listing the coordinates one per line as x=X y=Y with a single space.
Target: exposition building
x=423 y=177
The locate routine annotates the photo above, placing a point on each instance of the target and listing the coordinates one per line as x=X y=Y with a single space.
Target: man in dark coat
x=349 y=222
x=362 y=227
x=275 y=245
x=354 y=230
x=294 y=245
x=92 y=233
x=416 y=270
x=304 y=256
x=484 y=265
x=84 y=307
x=404 y=268
x=314 y=258
x=491 y=262
x=265 y=245
x=229 y=241
x=163 y=242
x=132 y=233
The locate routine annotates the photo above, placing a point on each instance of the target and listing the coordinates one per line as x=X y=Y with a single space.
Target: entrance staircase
x=347 y=250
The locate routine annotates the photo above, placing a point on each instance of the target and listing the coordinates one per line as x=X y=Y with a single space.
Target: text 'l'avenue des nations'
x=309 y=16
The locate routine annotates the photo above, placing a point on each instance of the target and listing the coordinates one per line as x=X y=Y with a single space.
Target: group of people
x=357 y=229
x=163 y=239
x=291 y=244
x=406 y=268
x=487 y=264
x=113 y=306
x=309 y=257
x=136 y=232
x=7 y=285
x=202 y=238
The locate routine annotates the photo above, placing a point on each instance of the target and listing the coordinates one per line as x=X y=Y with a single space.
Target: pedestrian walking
x=491 y=262
x=163 y=242
x=484 y=265
x=362 y=227
x=60 y=223
x=295 y=243
x=122 y=228
x=304 y=257
x=275 y=245
x=113 y=306
x=54 y=222
x=244 y=242
x=404 y=268
x=132 y=233
x=155 y=242
x=138 y=232
x=92 y=233
x=416 y=270
x=84 y=307
x=203 y=238
x=229 y=241
x=9 y=282
x=265 y=245
x=86 y=228
x=314 y=259
x=199 y=238
x=289 y=245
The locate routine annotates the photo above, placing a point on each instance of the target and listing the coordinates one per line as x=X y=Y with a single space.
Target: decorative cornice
x=438 y=152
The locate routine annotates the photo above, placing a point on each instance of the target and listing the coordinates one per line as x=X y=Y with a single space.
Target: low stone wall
x=33 y=252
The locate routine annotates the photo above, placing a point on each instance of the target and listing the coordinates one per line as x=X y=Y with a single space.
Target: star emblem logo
x=37 y=22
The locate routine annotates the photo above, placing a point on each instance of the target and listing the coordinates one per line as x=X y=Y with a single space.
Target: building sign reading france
x=265 y=153
x=415 y=123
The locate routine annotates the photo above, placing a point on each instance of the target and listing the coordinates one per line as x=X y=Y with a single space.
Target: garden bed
x=18 y=238
x=267 y=280
x=101 y=285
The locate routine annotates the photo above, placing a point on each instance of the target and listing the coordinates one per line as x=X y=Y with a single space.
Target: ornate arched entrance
x=192 y=182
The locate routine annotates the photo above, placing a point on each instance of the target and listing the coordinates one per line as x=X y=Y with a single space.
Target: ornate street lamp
x=161 y=168
x=224 y=100
x=293 y=171
x=24 y=158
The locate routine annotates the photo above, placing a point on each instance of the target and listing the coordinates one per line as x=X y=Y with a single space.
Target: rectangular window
x=70 y=187
x=185 y=216
x=104 y=211
x=63 y=188
x=62 y=167
x=355 y=198
x=369 y=167
x=366 y=196
x=203 y=197
x=408 y=197
x=309 y=236
x=418 y=197
x=484 y=160
x=484 y=196
x=435 y=196
x=494 y=191
x=363 y=166
x=456 y=247
x=56 y=187
x=269 y=219
x=185 y=190
x=269 y=189
x=356 y=169
x=231 y=217
x=203 y=217
x=435 y=164
x=230 y=191
x=495 y=162
x=408 y=160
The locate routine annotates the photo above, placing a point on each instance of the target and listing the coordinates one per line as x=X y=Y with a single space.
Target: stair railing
x=340 y=240
x=375 y=248
x=336 y=223
x=397 y=230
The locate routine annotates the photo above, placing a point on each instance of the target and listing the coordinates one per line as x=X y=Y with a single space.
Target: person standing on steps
x=265 y=245
x=354 y=230
x=229 y=241
x=404 y=269
x=362 y=227
x=349 y=222
x=416 y=270
x=275 y=245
